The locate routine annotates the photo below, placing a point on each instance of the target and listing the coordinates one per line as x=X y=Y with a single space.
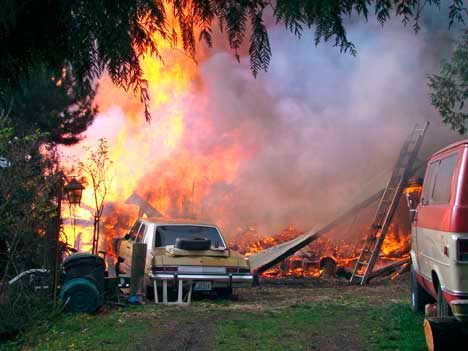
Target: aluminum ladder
x=387 y=206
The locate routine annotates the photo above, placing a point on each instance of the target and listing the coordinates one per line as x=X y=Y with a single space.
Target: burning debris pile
x=337 y=251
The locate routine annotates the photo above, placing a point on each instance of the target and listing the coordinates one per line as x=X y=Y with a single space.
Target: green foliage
x=25 y=308
x=27 y=179
x=449 y=88
x=91 y=36
x=56 y=105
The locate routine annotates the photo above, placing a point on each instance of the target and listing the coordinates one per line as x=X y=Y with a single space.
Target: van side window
x=140 y=233
x=428 y=185
x=134 y=231
x=443 y=180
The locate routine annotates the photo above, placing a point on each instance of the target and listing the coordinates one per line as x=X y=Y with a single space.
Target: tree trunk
x=52 y=240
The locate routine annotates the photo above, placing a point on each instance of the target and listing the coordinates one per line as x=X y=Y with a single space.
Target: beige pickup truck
x=185 y=251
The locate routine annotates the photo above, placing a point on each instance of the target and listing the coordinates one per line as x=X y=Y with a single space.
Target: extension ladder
x=387 y=206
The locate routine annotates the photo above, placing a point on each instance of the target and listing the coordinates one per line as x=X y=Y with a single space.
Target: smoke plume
x=317 y=132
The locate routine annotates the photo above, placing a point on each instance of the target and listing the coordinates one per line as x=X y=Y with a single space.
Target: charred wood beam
x=388 y=269
x=144 y=206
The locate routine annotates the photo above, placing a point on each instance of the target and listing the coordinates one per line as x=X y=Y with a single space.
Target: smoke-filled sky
x=301 y=142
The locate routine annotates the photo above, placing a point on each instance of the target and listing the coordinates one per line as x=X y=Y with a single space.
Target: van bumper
x=458 y=304
x=218 y=280
x=460 y=310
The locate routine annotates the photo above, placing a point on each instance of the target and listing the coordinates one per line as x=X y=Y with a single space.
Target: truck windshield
x=167 y=234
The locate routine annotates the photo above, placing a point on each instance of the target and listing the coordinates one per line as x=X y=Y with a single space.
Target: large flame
x=179 y=164
x=161 y=161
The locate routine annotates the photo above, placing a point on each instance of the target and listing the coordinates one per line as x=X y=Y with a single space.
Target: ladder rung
x=362 y=263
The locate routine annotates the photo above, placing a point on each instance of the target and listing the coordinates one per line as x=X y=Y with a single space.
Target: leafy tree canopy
x=56 y=105
x=91 y=36
x=450 y=88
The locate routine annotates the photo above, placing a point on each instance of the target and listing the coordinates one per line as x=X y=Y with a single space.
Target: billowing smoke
x=322 y=129
x=317 y=132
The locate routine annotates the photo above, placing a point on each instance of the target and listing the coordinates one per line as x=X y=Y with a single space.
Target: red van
x=439 y=248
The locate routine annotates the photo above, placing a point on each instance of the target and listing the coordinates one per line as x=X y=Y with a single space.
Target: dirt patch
x=180 y=330
x=277 y=294
x=195 y=327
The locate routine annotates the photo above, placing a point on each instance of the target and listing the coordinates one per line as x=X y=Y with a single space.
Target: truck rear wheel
x=443 y=308
x=419 y=296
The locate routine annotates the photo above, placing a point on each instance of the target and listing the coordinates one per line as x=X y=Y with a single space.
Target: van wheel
x=419 y=296
x=443 y=308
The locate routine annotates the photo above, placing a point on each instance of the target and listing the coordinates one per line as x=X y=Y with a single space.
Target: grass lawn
x=308 y=317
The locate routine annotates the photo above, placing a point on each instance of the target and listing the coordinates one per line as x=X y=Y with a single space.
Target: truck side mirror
x=412 y=208
x=412 y=215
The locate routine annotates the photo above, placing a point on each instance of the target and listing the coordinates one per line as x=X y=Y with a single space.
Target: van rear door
x=434 y=212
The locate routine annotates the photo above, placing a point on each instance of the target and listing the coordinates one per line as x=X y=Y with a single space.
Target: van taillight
x=463 y=249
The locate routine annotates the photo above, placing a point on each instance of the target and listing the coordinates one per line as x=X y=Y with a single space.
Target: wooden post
x=137 y=278
x=52 y=239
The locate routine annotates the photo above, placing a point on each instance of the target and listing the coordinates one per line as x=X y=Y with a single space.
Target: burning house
x=280 y=151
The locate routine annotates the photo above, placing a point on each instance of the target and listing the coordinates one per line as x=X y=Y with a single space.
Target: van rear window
x=429 y=183
x=443 y=180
